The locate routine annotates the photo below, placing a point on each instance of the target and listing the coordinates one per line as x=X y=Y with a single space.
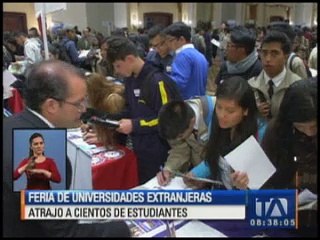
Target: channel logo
x=273 y=207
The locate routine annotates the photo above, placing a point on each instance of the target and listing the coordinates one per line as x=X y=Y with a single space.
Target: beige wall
x=75 y=14
x=27 y=8
x=97 y=14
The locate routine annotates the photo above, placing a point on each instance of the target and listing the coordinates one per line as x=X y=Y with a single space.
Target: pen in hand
x=163 y=176
x=162 y=173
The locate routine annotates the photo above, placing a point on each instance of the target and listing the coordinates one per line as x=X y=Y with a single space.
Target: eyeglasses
x=170 y=39
x=80 y=105
x=160 y=44
x=273 y=53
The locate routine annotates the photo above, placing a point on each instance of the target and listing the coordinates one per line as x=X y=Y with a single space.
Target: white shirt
x=42 y=118
x=32 y=51
x=277 y=79
x=189 y=45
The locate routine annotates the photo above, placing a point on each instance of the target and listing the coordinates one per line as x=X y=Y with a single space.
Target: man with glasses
x=160 y=56
x=189 y=67
x=241 y=56
x=55 y=97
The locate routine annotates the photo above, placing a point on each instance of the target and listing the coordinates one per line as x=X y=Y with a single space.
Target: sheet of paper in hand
x=250 y=158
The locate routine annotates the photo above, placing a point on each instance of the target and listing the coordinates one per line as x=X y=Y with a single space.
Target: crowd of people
x=166 y=115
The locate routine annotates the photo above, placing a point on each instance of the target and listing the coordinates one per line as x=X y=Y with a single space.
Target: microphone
x=107 y=122
x=85 y=117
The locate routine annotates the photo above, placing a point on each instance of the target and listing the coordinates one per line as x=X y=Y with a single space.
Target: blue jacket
x=190 y=72
x=73 y=52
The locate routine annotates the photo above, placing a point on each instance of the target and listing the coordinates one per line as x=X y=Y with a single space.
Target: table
x=116 y=174
x=93 y=169
x=15 y=102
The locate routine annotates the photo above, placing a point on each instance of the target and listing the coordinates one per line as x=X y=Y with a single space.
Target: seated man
x=185 y=124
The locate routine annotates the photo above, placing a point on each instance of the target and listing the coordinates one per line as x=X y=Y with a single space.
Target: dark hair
x=234 y=88
x=244 y=37
x=33 y=136
x=178 y=29
x=34 y=31
x=119 y=48
x=285 y=28
x=276 y=36
x=103 y=41
x=174 y=118
x=299 y=104
x=156 y=30
x=118 y=32
x=19 y=34
x=54 y=49
x=48 y=79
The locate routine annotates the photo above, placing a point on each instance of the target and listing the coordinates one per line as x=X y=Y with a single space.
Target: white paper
x=83 y=53
x=18 y=67
x=215 y=42
x=250 y=158
x=306 y=196
x=314 y=72
x=76 y=138
x=175 y=183
x=198 y=229
x=8 y=79
x=310 y=206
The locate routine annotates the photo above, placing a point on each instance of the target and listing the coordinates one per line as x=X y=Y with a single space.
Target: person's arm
x=181 y=71
x=21 y=169
x=240 y=180
x=51 y=172
x=201 y=170
x=179 y=157
x=160 y=93
x=30 y=53
x=55 y=175
x=73 y=52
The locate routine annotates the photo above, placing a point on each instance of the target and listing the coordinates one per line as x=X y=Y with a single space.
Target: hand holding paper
x=215 y=42
x=250 y=158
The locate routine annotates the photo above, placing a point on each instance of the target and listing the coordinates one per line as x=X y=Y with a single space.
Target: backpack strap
x=211 y=104
x=208 y=103
x=207 y=106
x=292 y=56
